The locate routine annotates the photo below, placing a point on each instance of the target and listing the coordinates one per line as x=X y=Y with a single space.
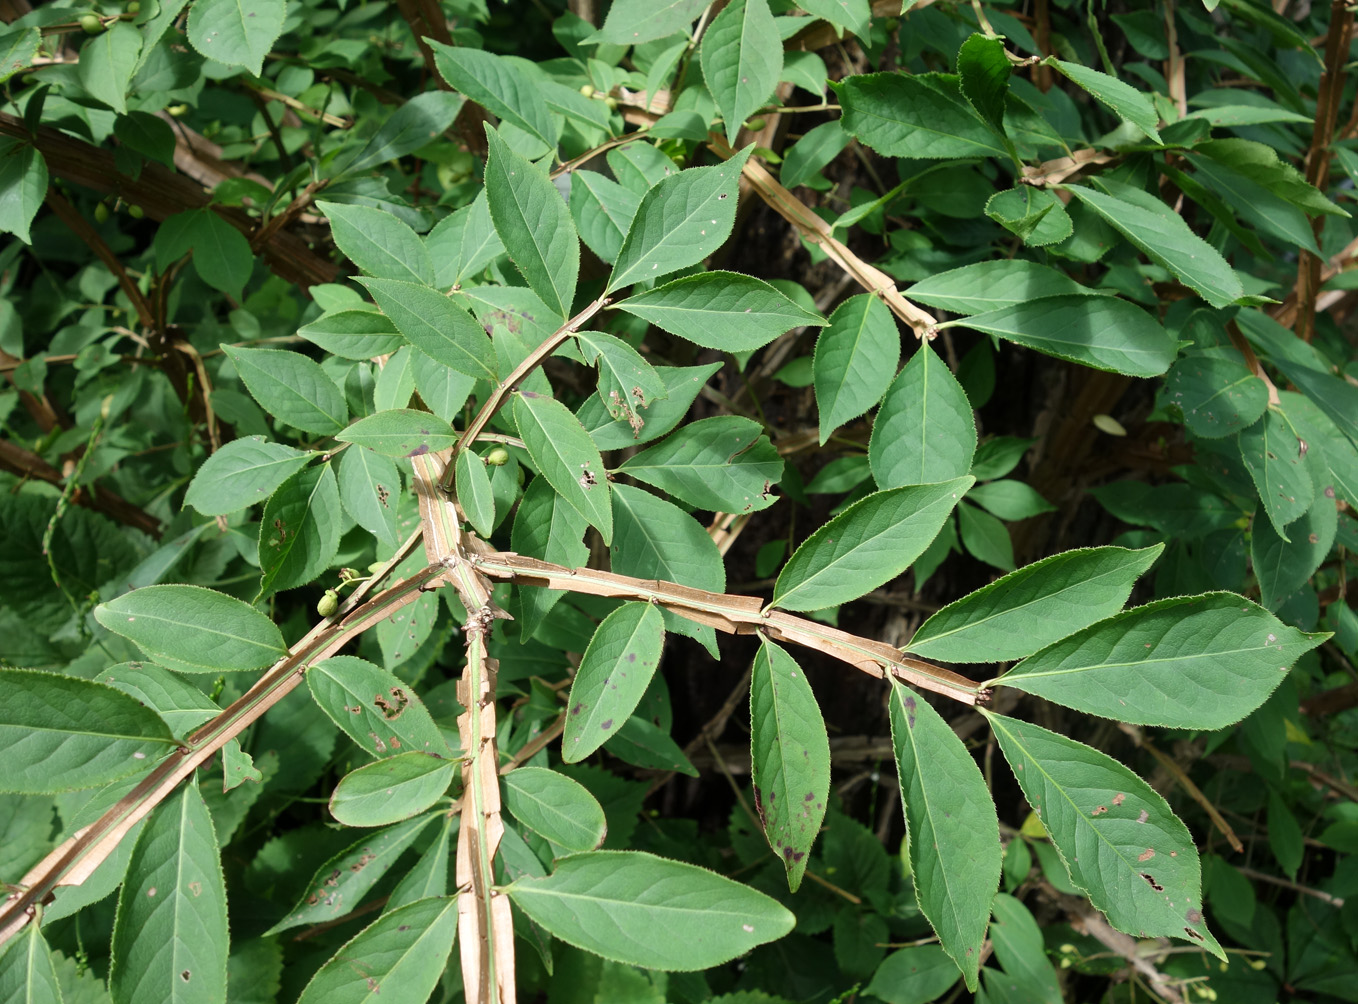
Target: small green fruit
x=91 y=24
x=136 y=212
x=587 y=90
x=134 y=7
x=754 y=125
x=612 y=103
x=376 y=567
x=497 y=457
x=101 y=212
x=328 y=604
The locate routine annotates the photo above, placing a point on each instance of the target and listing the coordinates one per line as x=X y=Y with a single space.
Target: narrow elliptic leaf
x=23 y=180
x=925 y=431
x=680 y=221
x=682 y=386
x=413 y=125
x=18 y=49
x=401 y=432
x=720 y=310
x=1217 y=396
x=866 y=545
x=851 y=15
x=805 y=159
x=646 y=911
x=644 y=744
x=498 y=85
x=107 y=62
x=915 y=975
x=632 y=22
x=603 y=212
x=429 y=877
x=353 y=334
x=378 y=711
x=1123 y=100
x=370 y=488
x=380 y=244
x=180 y=704
x=533 y=222
x=1283 y=567
x=1039 y=604
x=554 y=807
x=435 y=325
x=1102 y=332
x=1276 y=460
x=613 y=676
x=236 y=32
x=545 y=527
x=1164 y=237
x=464 y=243
x=299 y=533
x=390 y=790
x=400 y=956
x=742 y=59
x=193 y=629
x=339 y=885
x=1118 y=838
x=628 y=384
x=955 y=852
x=291 y=388
x=923 y=116
x=983 y=70
x=1256 y=204
x=566 y=456
x=242 y=473
x=854 y=360
x=27 y=975
x=994 y=285
x=170 y=938
x=725 y=464
x=1336 y=458
x=1191 y=662
x=789 y=757
x=1021 y=949
x=60 y=733
x=473 y=492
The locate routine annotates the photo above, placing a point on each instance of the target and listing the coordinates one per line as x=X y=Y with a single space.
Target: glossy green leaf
x=680 y=221
x=60 y=733
x=985 y=537
x=613 y=676
x=498 y=85
x=1021 y=949
x=170 y=938
x=400 y=433
x=915 y=975
x=742 y=58
x=236 y=32
x=1010 y=500
x=549 y=528
x=400 y=956
x=646 y=911
x=380 y=244
x=1335 y=458
x=1333 y=395
x=1116 y=835
x=603 y=211
x=854 y=360
x=923 y=116
x=23 y=186
x=221 y=255
x=534 y=224
x=554 y=807
x=720 y=310
x=410 y=127
x=1255 y=204
x=1262 y=164
x=983 y=71
x=435 y=325
x=866 y=545
x=390 y=790
x=643 y=744
x=994 y=285
x=1217 y=396
x=353 y=334
x=925 y=431
x=632 y=22
x=1282 y=567
x=566 y=456
x=27 y=975
x=378 y=711
x=243 y=472
x=1123 y=100
x=725 y=464
x=1196 y=662
x=370 y=490
x=682 y=386
x=628 y=384
x=789 y=758
x=954 y=833
x=473 y=492
x=107 y=62
x=1039 y=604
x=194 y=630
x=805 y=159
x=299 y=533
x=1276 y=461
x=292 y=388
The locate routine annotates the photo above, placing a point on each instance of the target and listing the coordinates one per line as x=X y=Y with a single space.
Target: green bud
x=497 y=457
x=101 y=212
x=91 y=24
x=754 y=125
x=587 y=90
x=136 y=212
x=612 y=103
x=376 y=567
x=134 y=7
x=328 y=604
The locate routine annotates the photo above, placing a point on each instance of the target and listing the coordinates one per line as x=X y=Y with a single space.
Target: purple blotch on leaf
x=608 y=724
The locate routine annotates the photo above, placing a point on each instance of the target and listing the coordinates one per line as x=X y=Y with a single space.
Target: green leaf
x=194 y=630
x=236 y=32
x=1116 y=835
x=854 y=360
x=390 y=790
x=379 y=243
x=720 y=310
x=645 y=911
x=107 y=62
x=400 y=433
x=613 y=676
x=1273 y=455
x=534 y=224
x=370 y=488
x=1268 y=212
x=1039 y=604
x=464 y=243
x=1123 y=100
x=353 y=334
x=1163 y=236
x=922 y=116
x=554 y=807
x=545 y=527
x=725 y=464
x=23 y=186
x=850 y=15
x=1333 y=451
x=985 y=537
x=338 y=886
x=242 y=473
x=805 y=159
x=915 y=975
x=925 y=431
x=170 y=938
x=1036 y=215
x=1260 y=163
x=603 y=212
x=681 y=220
x=1010 y=500
x=299 y=533
x=498 y=85
x=378 y=711
x=983 y=71
x=742 y=59
x=789 y=757
x=994 y=285
x=429 y=877
x=627 y=383
x=180 y=705
x=147 y=134
x=1217 y=396
x=632 y=22
x=866 y=545
x=436 y=326
x=1194 y=662
x=473 y=492
x=566 y=456
x=1102 y=332
x=18 y=49
x=412 y=126
x=1285 y=838
x=27 y=975
x=221 y=255
x=643 y=744
x=954 y=833
x=682 y=386
x=401 y=955
x=1283 y=567
x=59 y=733
x=1021 y=949
x=292 y=388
